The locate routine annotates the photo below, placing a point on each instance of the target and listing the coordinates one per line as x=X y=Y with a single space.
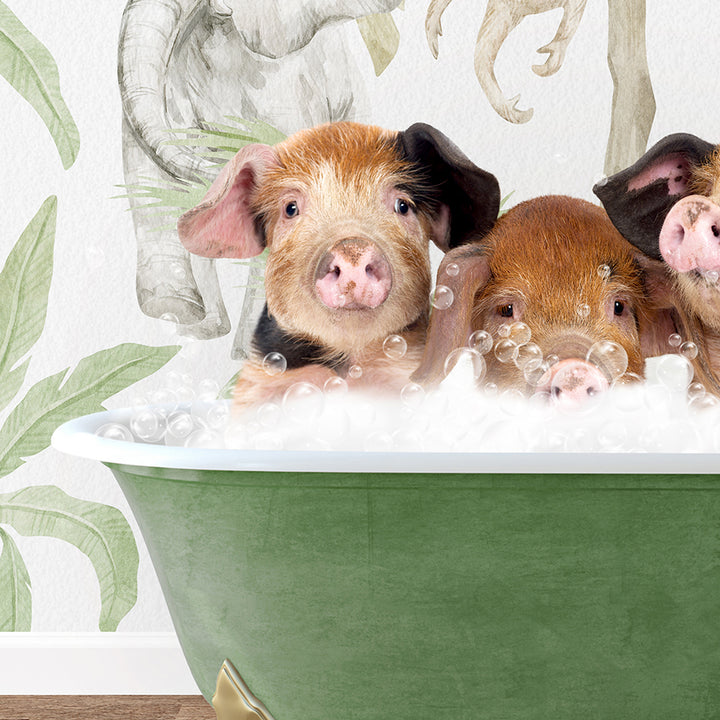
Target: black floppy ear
x=470 y=195
x=639 y=198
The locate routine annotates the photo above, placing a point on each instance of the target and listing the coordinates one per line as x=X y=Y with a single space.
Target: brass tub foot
x=233 y=699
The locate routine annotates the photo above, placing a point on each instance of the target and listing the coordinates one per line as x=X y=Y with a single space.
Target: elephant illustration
x=191 y=63
x=633 y=104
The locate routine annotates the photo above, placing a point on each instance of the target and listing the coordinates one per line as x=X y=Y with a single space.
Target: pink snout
x=353 y=275
x=572 y=382
x=690 y=235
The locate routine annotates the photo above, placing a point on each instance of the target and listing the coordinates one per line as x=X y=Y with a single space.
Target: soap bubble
x=115 y=431
x=504 y=330
x=513 y=402
x=711 y=276
x=269 y=414
x=335 y=386
x=146 y=425
x=394 y=347
x=674 y=371
x=468 y=360
x=506 y=350
x=302 y=402
x=552 y=359
x=208 y=390
x=609 y=357
x=675 y=340
x=612 y=436
x=407 y=440
x=519 y=333
x=583 y=310
x=689 y=350
x=412 y=395
x=536 y=374
x=442 y=298
x=482 y=341
x=355 y=372
x=695 y=389
x=203 y=438
x=164 y=401
x=452 y=269
x=217 y=415
x=274 y=363
x=180 y=424
x=236 y=436
x=708 y=401
x=604 y=271
x=529 y=356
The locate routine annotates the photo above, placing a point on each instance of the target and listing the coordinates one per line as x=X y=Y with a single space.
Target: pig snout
x=353 y=274
x=573 y=381
x=690 y=235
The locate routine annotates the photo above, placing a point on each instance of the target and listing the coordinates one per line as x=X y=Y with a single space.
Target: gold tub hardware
x=233 y=699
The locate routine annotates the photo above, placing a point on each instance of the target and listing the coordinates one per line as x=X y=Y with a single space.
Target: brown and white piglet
x=559 y=266
x=346 y=212
x=667 y=204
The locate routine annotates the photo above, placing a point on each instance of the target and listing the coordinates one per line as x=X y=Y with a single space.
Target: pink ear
x=675 y=168
x=223 y=224
x=440 y=228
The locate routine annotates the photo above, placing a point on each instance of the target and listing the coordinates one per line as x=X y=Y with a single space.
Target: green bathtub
x=362 y=586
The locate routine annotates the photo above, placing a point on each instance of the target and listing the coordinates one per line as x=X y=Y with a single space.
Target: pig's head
x=347 y=212
x=668 y=205
x=558 y=266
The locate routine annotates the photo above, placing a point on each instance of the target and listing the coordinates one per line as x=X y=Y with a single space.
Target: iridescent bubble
x=145 y=424
x=536 y=374
x=506 y=350
x=274 y=363
x=689 y=350
x=708 y=401
x=583 y=310
x=203 y=438
x=180 y=424
x=452 y=269
x=115 y=431
x=355 y=372
x=504 y=330
x=675 y=340
x=442 y=298
x=335 y=386
x=552 y=360
x=482 y=341
x=394 y=347
x=269 y=414
x=520 y=333
x=208 y=390
x=303 y=402
x=609 y=357
x=412 y=395
x=529 y=356
x=675 y=372
x=604 y=271
x=467 y=360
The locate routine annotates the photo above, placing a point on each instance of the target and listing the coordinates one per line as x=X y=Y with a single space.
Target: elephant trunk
x=148 y=34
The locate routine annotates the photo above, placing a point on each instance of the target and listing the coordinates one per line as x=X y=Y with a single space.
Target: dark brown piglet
x=667 y=204
x=584 y=295
x=346 y=212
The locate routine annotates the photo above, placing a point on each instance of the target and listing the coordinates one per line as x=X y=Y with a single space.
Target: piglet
x=346 y=212
x=667 y=204
x=558 y=266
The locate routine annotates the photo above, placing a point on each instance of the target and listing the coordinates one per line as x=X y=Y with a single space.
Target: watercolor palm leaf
x=99 y=531
x=28 y=66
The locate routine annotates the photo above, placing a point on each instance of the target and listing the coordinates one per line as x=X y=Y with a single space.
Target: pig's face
x=346 y=212
x=668 y=205
x=561 y=269
x=348 y=231
x=559 y=266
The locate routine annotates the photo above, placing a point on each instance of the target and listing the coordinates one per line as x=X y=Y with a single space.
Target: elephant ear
x=223 y=224
x=639 y=198
x=468 y=194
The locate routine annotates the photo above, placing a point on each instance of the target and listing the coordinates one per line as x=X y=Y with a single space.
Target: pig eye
x=619 y=307
x=291 y=209
x=402 y=207
x=506 y=311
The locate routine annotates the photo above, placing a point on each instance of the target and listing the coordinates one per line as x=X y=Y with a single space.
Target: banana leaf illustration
x=28 y=66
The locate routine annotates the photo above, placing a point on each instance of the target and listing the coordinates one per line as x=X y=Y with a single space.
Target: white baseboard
x=93 y=664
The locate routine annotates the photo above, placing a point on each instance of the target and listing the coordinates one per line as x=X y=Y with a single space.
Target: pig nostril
x=716 y=231
x=591 y=391
x=556 y=392
x=335 y=271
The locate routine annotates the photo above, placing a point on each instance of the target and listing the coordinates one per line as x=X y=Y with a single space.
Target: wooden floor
x=105 y=707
